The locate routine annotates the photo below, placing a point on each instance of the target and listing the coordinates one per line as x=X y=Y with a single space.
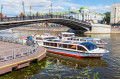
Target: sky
x=15 y=7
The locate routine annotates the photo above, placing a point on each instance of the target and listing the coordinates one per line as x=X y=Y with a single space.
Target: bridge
x=75 y=24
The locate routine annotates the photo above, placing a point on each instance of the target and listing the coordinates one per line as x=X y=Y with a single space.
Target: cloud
x=74 y=8
x=15 y=7
x=100 y=8
x=107 y=7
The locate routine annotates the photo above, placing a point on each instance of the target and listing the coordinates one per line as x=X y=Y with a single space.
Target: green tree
x=107 y=17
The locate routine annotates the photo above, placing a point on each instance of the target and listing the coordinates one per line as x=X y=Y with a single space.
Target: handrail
x=8 y=19
x=18 y=52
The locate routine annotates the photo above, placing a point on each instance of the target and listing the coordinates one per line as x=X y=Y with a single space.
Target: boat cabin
x=69 y=45
x=44 y=37
x=67 y=35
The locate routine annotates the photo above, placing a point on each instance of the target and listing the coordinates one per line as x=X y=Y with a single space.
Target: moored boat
x=68 y=47
x=77 y=49
x=71 y=36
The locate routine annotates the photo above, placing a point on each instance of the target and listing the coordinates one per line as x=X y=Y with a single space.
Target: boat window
x=67 y=41
x=57 y=40
x=74 y=39
x=46 y=43
x=97 y=41
x=72 y=46
x=50 y=38
x=69 y=38
x=54 y=44
x=60 y=45
x=64 y=45
x=66 y=35
x=81 y=48
x=89 y=45
x=82 y=40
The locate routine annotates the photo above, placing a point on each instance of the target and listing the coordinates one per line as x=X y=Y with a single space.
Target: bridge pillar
x=100 y=28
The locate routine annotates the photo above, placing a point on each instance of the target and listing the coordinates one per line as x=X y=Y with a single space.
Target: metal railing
x=8 y=19
x=17 y=52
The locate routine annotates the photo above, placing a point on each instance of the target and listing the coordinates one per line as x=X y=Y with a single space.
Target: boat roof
x=66 y=42
x=86 y=38
x=88 y=45
x=67 y=33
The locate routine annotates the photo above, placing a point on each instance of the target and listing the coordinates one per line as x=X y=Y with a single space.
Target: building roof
x=84 y=7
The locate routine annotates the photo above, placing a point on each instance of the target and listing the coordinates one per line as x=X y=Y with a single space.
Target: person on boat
x=59 y=36
x=30 y=37
x=29 y=41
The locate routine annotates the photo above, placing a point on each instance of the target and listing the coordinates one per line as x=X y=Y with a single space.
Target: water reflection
x=76 y=63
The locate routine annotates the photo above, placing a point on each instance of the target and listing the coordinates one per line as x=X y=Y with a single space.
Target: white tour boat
x=77 y=49
x=71 y=36
x=68 y=47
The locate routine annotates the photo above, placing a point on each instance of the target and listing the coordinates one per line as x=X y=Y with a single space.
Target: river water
x=55 y=66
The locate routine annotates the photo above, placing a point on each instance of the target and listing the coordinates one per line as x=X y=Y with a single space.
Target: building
x=115 y=13
x=85 y=14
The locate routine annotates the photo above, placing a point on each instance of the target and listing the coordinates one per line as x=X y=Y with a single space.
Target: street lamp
x=30 y=10
x=1 y=12
x=23 y=9
x=114 y=16
x=51 y=7
x=69 y=11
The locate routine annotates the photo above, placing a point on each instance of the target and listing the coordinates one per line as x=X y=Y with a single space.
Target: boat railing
x=16 y=52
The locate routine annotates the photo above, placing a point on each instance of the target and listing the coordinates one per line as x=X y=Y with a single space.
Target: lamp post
x=23 y=9
x=51 y=7
x=69 y=11
x=30 y=10
x=1 y=12
x=114 y=16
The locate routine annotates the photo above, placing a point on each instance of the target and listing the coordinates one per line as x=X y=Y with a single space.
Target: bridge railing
x=7 y=19
x=16 y=52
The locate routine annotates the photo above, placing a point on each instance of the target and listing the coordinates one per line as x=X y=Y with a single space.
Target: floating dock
x=15 y=56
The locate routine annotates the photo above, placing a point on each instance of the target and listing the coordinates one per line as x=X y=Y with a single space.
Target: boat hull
x=74 y=53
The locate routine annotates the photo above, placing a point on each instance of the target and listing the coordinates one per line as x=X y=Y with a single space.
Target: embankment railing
x=17 y=52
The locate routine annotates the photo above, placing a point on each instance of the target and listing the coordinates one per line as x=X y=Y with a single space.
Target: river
x=55 y=66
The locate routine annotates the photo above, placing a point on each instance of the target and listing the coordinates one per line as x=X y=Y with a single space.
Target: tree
x=37 y=14
x=21 y=14
x=1 y=15
x=107 y=17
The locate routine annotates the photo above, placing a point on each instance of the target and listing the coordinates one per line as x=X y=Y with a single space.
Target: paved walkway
x=7 y=66
x=7 y=46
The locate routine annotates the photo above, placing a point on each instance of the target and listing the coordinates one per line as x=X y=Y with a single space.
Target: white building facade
x=86 y=15
x=115 y=13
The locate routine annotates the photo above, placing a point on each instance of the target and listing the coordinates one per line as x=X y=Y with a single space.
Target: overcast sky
x=14 y=7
